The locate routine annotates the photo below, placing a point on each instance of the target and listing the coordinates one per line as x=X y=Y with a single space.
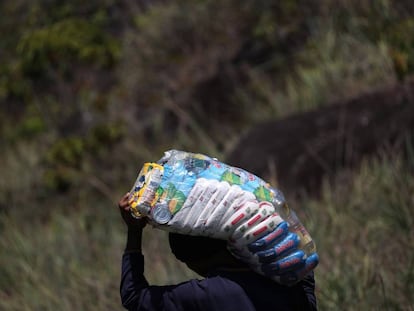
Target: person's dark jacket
x=220 y=290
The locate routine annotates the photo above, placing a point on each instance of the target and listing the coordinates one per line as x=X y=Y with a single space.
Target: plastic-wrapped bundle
x=197 y=195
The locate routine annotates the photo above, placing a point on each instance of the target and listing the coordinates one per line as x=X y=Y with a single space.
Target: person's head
x=201 y=254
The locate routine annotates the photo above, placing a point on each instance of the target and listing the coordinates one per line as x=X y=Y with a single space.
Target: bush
x=60 y=45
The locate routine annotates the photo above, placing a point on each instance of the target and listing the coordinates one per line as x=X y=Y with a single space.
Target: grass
x=73 y=260
x=365 y=236
x=333 y=67
x=49 y=266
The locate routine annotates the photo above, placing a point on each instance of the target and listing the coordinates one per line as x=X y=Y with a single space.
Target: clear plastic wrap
x=194 y=194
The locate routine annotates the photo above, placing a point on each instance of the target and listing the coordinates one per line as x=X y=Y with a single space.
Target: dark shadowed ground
x=300 y=150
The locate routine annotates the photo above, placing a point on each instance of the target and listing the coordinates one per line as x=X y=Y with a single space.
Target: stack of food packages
x=191 y=193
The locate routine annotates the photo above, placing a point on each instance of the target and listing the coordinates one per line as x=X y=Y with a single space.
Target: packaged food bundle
x=191 y=193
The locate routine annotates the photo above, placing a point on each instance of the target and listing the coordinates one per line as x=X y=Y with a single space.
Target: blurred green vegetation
x=366 y=238
x=89 y=91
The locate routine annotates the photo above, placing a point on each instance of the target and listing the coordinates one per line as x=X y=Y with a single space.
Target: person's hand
x=125 y=209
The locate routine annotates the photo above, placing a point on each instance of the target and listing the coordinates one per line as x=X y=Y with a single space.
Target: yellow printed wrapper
x=143 y=190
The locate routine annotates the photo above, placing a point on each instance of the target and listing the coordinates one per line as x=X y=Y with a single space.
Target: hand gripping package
x=191 y=193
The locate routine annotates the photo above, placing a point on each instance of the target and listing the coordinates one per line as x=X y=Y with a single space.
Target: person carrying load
x=225 y=224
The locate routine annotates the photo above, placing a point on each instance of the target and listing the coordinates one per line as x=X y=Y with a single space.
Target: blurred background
x=89 y=91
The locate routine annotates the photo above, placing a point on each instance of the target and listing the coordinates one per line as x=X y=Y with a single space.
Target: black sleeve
x=137 y=294
x=132 y=279
x=214 y=293
x=308 y=284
